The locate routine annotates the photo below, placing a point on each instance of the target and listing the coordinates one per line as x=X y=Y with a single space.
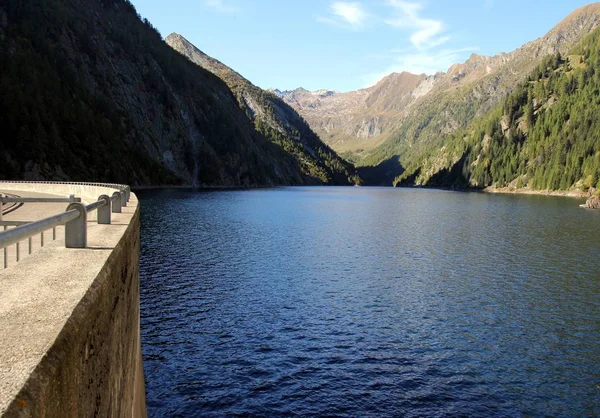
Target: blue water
x=369 y=302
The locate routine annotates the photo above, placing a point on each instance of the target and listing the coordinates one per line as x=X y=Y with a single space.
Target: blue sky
x=347 y=45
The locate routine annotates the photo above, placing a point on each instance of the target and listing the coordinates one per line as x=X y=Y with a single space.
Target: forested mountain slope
x=544 y=135
x=481 y=83
x=405 y=117
x=92 y=92
x=275 y=119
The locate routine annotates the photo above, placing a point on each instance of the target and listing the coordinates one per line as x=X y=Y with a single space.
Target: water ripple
x=369 y=302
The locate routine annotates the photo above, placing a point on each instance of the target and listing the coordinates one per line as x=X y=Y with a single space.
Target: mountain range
x=92 y=90
x=403 y=117
x=544 y=135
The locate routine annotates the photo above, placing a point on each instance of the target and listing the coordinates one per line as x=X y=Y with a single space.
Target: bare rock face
x=337 y=117
x=593 y=202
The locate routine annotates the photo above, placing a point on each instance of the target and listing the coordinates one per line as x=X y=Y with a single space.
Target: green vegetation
x=277 y=121
x=91 y=91
x=47 y=116
x=295 y=137
x=544 y=135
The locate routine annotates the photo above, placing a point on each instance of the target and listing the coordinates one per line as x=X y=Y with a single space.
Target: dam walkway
x=69 y=317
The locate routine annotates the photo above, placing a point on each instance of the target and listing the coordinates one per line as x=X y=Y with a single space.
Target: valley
x=112 y=86
x=416 y=119
x=240 y=271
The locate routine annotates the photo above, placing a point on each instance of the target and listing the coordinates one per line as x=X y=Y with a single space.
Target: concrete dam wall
x=70 y=321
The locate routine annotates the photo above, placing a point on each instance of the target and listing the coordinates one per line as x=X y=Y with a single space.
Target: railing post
x=104 y=211
x=1 y=204
x=76 y=230
x=123 y=198
x=5 y=252
x=128 y=190
x=116 y=205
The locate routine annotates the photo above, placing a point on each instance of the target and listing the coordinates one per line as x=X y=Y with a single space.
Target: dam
x=69 y=305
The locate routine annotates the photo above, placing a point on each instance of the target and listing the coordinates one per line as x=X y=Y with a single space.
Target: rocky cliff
x=593 y=202
x=279 y=122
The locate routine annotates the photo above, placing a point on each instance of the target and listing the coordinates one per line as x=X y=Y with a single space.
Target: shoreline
x=577 y=194
x=199 y=188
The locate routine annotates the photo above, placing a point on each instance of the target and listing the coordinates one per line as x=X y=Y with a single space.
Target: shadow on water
x=453 y=178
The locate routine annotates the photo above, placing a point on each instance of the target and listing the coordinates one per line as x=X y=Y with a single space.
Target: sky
x=348 y=45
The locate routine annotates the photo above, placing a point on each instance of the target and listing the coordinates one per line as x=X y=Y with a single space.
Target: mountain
x=544 y=135
x=275 y=119
x=91 y=91
x=357 y=120
x=407 y=116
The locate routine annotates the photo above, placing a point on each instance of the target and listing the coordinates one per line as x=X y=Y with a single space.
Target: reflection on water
x=369 y=302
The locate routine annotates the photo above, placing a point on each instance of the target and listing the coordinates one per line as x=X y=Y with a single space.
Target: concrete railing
x=85 y=190
x=74 y=218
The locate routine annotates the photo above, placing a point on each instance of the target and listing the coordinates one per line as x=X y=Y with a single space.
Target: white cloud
x=426 y=52
x=426 y=33
x=345 y=14
x=350 y=12
x=220 y=6
x=419 y=62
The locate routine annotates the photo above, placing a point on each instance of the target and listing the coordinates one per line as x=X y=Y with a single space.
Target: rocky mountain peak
x=276 y=92
x=323 y=92
x=579 y=17
x=401 y=99
x=186 y=48
x=563 y=35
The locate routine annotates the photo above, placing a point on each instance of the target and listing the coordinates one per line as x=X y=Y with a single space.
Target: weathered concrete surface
x=69 y=326
x=89 y=191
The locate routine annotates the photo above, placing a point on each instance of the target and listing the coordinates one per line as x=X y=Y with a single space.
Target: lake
x=369 y=302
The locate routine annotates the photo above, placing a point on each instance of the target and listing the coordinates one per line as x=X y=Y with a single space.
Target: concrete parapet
x=89 y=192
x=70 y=344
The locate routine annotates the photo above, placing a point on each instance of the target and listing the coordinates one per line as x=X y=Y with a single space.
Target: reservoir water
x=369 y=302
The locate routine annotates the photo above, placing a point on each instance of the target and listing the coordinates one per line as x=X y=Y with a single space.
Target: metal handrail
x=23 y=232
x=19 y=199
x=75 y=183
x=14 y=223
x=74 y=218
x=123 y=187
x=97 y=204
